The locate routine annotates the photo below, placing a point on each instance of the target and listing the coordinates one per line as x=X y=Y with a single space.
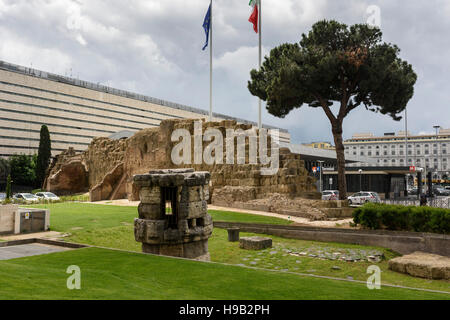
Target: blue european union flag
x=207 y=26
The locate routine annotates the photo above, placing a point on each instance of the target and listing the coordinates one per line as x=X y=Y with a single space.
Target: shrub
x=402 y=218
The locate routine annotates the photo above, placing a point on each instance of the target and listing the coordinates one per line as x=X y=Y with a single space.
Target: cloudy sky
x=153 y=47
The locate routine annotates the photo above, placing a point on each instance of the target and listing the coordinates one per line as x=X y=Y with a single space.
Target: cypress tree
x=44 y=155
x=8 y=188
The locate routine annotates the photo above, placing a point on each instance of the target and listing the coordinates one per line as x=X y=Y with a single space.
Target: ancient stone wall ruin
x=111 y=164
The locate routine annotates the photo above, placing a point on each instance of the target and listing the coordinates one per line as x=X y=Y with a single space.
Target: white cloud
x=154 y=47
x=14 y=50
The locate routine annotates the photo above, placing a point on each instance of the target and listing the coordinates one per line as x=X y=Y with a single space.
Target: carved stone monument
x=173 y=218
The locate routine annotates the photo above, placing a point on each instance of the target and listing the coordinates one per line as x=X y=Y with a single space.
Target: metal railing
x=436 y=202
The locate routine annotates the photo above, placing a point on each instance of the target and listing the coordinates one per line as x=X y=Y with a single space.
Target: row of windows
x=56 y=125
x=442 y=145
x=83 y=106
x=396 y=139
x=38 y=132
x=394 y=153
x=61 y=118
x=34 y=148
x=74 y=112
x=33 y=139
x=88 y=99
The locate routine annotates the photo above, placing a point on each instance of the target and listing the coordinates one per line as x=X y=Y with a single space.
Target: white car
x=330 y=195
x=47 y=196
x=364 y=197
x=27 y=197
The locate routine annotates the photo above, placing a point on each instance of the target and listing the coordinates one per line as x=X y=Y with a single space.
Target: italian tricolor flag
x=254 y=17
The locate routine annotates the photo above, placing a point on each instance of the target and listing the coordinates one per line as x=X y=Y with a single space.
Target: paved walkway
x=41 y=235
x=28 y=250
x=302 y=221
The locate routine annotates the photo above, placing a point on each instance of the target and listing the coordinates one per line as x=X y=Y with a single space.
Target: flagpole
x=211 y=67
x=260 y=58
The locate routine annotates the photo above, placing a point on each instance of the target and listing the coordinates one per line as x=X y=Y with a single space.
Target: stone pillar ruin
x=173 y=218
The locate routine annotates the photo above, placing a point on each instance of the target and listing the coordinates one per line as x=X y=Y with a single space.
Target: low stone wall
x=401 y=242
x=8 y=215
x=10 y=220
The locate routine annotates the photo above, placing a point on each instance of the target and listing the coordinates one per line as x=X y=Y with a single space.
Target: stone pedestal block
x=173 y=218
x=233 y=234
x=255 y=243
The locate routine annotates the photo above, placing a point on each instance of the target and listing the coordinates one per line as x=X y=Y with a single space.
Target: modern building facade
x=320 y=145
x=77 y=111
x=431 y=152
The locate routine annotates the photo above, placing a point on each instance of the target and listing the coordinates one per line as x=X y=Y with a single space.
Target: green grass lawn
x=108 y=274
x=112 y=227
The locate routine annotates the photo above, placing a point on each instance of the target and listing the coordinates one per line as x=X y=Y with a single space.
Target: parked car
x=413 y=191
x=2 y=196
x=364 y=197
x=330 y=195
x=47 y=196
x=27 y=197
x=447 y=188
x=440 y=191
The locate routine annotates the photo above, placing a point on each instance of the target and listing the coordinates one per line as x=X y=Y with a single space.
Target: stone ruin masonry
x=173 y=213
x=107 y=167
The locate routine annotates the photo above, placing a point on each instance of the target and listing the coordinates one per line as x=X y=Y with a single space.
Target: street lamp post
x=437 y=146
x=320 y=174
x=360 y=179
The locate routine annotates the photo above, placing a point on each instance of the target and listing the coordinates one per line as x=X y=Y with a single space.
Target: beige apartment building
x=394 y=150
x=77 y=111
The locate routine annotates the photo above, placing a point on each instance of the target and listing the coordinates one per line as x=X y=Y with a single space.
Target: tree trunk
x=337 y=134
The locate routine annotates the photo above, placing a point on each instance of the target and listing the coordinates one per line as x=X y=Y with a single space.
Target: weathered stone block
x=255 y=243
x=192 y=194
x=422 y=265
x=150 y=211
x=150 y=195
x=192 y=210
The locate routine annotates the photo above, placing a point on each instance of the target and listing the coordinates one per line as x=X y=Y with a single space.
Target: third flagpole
x=211 y=67
x=260 y=61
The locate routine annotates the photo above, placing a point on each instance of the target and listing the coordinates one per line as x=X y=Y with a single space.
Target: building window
x=369 y=153
x=393 y=153
x=427 y=152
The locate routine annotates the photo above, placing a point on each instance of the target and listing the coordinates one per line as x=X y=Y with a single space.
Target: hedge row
x=401 y=218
